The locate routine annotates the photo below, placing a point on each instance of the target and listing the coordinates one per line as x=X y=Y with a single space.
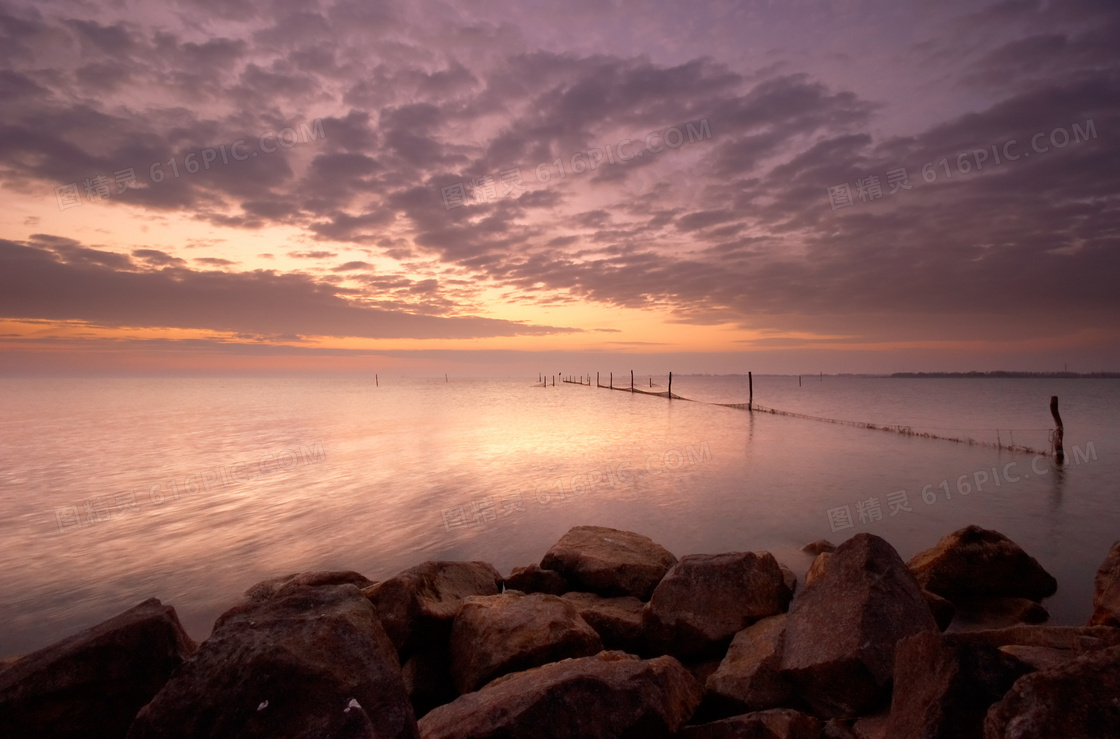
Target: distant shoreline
x=1004 y=375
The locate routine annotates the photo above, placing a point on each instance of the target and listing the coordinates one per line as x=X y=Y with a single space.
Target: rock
x=996 y=613
x=94 y=682
x=1077 y=699
x=497 y=634
x=872 y=727
x=618 y=621
x=1077 y=639
x=979 y=562
x=836 y=728
x=266 y=589
x=944 y=685
x=609 y=562
x=1106 y=591
x=533 y=579
x=611 y=694
x=816 y=569
x=778 y=723
x=819 y=546
x=788 y=578
x=942 y=609
x=309 y=662
x=418 y=605
x=1038 y=658
x=427 y=678
x=843 y=627
x=749 y=677
x=705 y=599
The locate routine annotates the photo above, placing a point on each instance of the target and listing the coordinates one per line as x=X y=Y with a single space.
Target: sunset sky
x=241 y=186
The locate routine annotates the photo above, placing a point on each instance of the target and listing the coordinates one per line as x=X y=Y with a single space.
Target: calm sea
x=191 y=490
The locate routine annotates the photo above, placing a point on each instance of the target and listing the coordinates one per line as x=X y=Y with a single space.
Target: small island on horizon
x=1001 y=374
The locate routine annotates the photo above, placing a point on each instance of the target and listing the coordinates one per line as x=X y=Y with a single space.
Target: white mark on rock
x=353 y=704
x=262 y=706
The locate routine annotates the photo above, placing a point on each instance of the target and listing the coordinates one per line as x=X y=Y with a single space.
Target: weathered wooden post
x=631 y=380
x=799 y=380
x=376 y=383
x=670 y=386
x=1059 y=432
x=596 y=379
x=750 y=391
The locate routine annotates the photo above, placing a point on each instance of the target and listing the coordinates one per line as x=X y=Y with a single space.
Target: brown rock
x=1106 y=591
x=1039 y=658
x=1077 y=699
x=533 y=579
x=816 y=569
x=310 y=662
x=617 y=620
x=944 y=685
x=819 y=546
x=836 y=728
x=609 y=562
x=843 y=627
x=418 y=605
x=1077 y=639
x=788 y=578
x=497 y=634
x=608 y=695
x=92 y=684
x=872 y=727
x=979 y=562
x=749 y=677
x=942 y=609
x=705 y=599
x=778 y=723
x=267 y=589
x=996 y=613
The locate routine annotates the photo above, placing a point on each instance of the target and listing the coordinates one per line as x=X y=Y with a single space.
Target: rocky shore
x=610 y=635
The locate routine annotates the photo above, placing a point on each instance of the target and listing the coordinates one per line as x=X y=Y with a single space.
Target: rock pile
x=610 y=635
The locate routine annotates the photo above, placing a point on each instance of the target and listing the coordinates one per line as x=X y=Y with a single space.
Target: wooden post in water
x=799 y=380
x=375 y=382
x=1059 y=432
x=631 y=380
x=611 y=385
x=670 y=386
x=750 y=390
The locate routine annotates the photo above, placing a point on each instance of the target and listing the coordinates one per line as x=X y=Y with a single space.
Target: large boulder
x=609 y=562
x=1106 y=591
x=942 y=609
x=92 y=684
x=1077 y=699
x=496 y=634
x=980 y=562
x=310 y=662
x=843 y=627
x=777 y=723
x=266 y=589
x=749 y=678
x=944 y=685
x=418 y=605
x=617 y=620
x=705 y=599
x=996 y=613
x=427 y=678
x=611 y=694
x=533 y=579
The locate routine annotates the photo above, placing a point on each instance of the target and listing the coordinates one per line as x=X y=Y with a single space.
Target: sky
x=421 y=187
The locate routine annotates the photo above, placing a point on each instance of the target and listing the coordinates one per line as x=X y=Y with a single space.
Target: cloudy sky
x=485 y=188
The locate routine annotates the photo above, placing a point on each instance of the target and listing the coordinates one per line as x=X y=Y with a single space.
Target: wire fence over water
x=1030 y=440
